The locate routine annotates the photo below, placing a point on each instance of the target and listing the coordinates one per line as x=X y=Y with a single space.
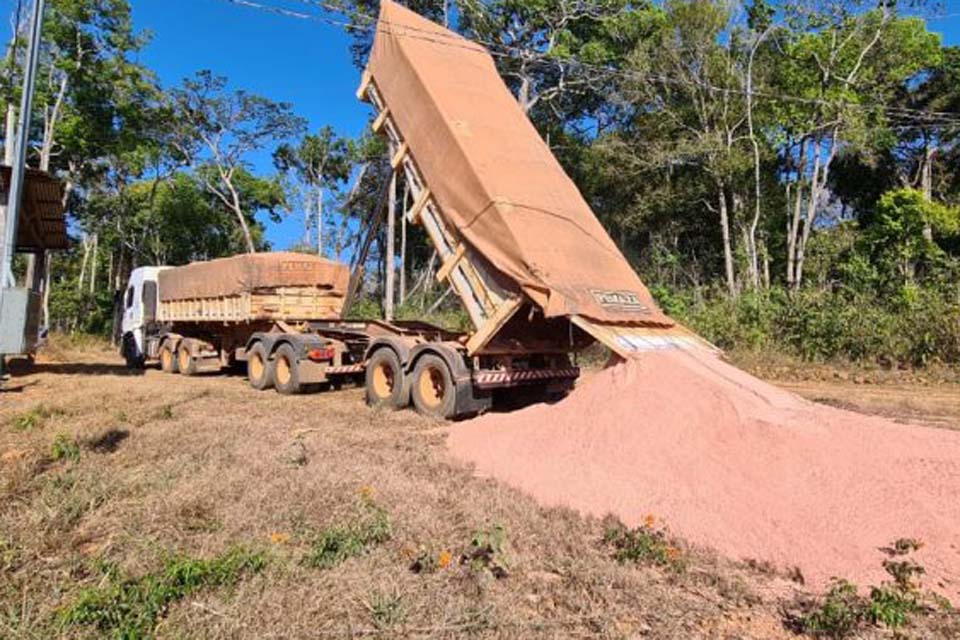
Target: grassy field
x=157 y=505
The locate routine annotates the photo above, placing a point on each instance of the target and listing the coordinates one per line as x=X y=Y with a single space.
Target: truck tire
x=168 y=359
x=185 y=362
x=132 y=359
x=433 y=389
x=259 y=368
x=286 y=371
x=384 y=380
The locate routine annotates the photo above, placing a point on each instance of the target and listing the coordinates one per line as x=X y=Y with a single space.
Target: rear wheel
x=434 y=391
x=259 y=368
x=168 y=360
x=384 y=380
x=286 y=371
x=185 y=362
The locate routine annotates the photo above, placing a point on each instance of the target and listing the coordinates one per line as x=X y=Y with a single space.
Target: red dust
x=732 y=463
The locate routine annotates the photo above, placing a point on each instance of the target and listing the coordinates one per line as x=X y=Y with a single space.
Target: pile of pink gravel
x=736 y=465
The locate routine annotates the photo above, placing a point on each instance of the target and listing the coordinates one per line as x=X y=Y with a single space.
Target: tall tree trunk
x=320 y=220
x=403 y=243
x=751 y=245
x=727 y=243
x=793 y=223
x=307 y=218
x=93 y=265
x=389 y=257
x=926 y=182
x=818 y=185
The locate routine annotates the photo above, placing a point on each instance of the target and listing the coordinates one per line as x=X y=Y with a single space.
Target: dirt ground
x=106 y=477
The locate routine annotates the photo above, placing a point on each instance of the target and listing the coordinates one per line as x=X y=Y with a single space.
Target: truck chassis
x=399 y=363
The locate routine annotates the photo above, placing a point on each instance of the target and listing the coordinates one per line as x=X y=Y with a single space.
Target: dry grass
x=170 y=467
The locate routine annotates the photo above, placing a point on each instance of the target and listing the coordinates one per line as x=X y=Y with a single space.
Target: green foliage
x=489 y=552
x=840 y=614
x=646 y=544
x=892 y=604
x=131 y=607
x=34 y=418
x=65 y=447
x=337 y=543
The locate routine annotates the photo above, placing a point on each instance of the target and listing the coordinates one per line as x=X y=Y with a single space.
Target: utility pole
x=17 y=173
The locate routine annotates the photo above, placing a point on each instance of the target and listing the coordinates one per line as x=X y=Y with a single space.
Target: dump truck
x=535 y=269
x=538 y=276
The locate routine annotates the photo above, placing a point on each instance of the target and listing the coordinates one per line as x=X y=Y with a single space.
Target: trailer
x=278 y=317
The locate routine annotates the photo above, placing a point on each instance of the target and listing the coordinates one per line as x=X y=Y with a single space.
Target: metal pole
x=15 y=194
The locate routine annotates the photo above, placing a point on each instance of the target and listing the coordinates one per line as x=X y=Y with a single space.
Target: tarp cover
x=251 y=272
x=494 y=178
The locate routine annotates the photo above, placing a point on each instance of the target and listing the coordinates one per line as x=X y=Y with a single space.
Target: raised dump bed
x=282 y=286
x=533 y=266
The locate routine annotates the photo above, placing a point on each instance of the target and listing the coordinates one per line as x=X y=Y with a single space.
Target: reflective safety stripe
x=347 y=368
x=519 y=376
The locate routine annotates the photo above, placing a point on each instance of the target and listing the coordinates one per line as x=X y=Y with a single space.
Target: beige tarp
x=250 y=273
x=494 y=178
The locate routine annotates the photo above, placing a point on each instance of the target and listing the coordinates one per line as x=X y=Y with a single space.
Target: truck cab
x=139 y=322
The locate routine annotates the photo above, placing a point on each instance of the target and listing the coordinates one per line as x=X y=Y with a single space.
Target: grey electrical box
x=19 y=321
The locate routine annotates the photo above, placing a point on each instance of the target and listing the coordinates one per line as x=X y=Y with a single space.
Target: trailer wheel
x=185 y=363
x=434 y=391
x=286 y=371
x=168 y=361
x=259 y=368
x=384 y=380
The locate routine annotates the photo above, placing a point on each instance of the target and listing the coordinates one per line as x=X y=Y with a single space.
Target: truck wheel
x=286 y=371
x=434 y=391
x=185 y=363
x=384 y=380
x=168 y=361
x=259 y=368
x=132 y=359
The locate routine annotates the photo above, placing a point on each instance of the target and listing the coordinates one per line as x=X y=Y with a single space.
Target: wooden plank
x=381 y=118
x=479 y=339
x=450 y=263
x=413 y=215
x=398 y=156
x=364 y=85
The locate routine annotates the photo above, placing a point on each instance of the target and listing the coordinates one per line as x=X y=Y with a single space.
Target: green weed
x=130 y=608
x=33 y=418
x=646 y=544
x=839 y=615
x=892 y=604
x=9 y=555
x=67 y=499
x=336 y=543
x=489 y=552
x=65 y=448
x=386 y=610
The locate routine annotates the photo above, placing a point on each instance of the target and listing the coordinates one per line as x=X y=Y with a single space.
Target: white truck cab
x=140 y=301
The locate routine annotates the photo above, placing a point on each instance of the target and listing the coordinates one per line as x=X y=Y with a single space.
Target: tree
x=216 y=131
x=321 y=162
x=837 y=63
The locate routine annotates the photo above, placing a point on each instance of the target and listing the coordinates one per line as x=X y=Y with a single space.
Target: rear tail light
x=321 y=353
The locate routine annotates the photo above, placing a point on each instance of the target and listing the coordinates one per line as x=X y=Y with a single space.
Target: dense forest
x=783 y=175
